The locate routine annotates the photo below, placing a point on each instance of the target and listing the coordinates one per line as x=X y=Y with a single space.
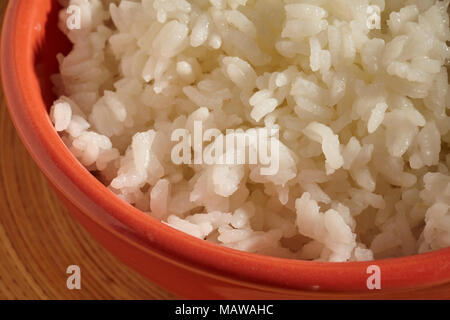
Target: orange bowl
x=186 y=266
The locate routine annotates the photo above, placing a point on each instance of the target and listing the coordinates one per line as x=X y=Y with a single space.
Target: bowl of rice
x=241 y=148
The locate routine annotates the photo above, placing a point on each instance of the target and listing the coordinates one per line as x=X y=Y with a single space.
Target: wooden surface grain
x=39 y=239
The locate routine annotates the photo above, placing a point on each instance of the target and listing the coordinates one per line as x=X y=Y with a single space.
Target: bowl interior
x=31 y=40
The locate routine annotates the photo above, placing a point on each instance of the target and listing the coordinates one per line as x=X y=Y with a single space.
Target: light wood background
x=39 y=239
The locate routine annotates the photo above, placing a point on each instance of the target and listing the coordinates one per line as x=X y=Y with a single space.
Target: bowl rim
x=26 y=107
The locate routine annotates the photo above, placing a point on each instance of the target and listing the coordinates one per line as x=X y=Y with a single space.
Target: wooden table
x=39 y=239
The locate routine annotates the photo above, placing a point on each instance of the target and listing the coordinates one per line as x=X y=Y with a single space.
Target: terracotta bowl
x=184 y=265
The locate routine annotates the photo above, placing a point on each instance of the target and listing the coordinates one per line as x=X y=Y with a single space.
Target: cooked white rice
x=363 y=115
